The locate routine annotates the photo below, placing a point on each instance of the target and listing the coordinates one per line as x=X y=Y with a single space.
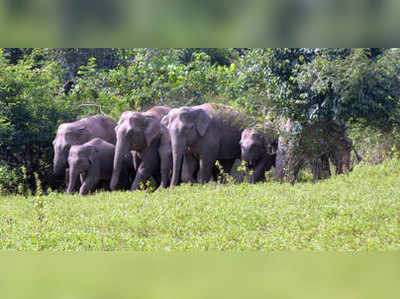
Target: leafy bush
x=152 y=77
x=9 y=179
x=32 y=105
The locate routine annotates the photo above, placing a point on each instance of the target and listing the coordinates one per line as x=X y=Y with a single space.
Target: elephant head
x=67 y=135
x=135 y=132
x=186 y=126
x=255 y=145
x=80 y=159
x=252 y=146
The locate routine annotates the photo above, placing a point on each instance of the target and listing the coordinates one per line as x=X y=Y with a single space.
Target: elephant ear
x=203 y=120
x=152 y=130
x=165 y=121
x=92 y=151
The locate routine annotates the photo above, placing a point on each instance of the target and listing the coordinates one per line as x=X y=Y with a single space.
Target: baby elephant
x=258 y=149
x=93 y=162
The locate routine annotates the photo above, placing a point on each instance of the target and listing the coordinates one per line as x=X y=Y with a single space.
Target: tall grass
x=355 y=212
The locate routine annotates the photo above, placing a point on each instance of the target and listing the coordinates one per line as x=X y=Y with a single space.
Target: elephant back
x=158 y=112
x=103 y=127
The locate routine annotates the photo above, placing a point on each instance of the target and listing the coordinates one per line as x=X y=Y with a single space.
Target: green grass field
x=356 y=212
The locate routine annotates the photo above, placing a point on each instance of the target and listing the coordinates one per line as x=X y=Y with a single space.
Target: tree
x=32 y=105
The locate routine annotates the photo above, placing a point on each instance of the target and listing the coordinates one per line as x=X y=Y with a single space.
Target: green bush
x=9 y=179
x=32 y=106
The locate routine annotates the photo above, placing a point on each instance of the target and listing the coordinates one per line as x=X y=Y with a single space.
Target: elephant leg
x=165 y=168
x=259 y=171
x=149 y=166
x=83 y=177
x=205 y=171
x=250 y=175
x=142 y=175
x=189 y=168
x=87 y=186
x=136 y=161
x=92 y=178
x=157 y=179
x=165 y=153
x=66 y=176
x=77 y=183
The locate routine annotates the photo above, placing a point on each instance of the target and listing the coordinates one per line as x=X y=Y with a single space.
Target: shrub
x=31 y=108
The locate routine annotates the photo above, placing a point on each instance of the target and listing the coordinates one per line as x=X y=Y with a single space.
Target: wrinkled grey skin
x=210 y=132
x=189 y=165
x=259 y=151
x=139 y=132
x=80 y=132
x=93 y=162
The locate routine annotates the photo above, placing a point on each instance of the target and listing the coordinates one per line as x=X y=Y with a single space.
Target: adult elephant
x=139 y=132
x=93 y=162
x=80 y=132
x=190 y=165
x=210 y=132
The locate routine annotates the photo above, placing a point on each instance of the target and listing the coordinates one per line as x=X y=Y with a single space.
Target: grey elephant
x=190 y=165
x=80 y=132
x=258 y=149
x=139 y=132
x=93 y=163
x=210 y=132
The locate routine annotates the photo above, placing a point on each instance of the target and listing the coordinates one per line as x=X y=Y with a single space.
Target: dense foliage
x=32 y=105
x=41 y=88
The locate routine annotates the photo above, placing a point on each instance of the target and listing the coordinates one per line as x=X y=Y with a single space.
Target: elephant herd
x=169 y=145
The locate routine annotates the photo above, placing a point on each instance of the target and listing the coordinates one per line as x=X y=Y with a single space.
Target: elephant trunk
x=178 y=148
x=120 y=152
x=60 y=164
x=165 y=152
x=73 y=177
